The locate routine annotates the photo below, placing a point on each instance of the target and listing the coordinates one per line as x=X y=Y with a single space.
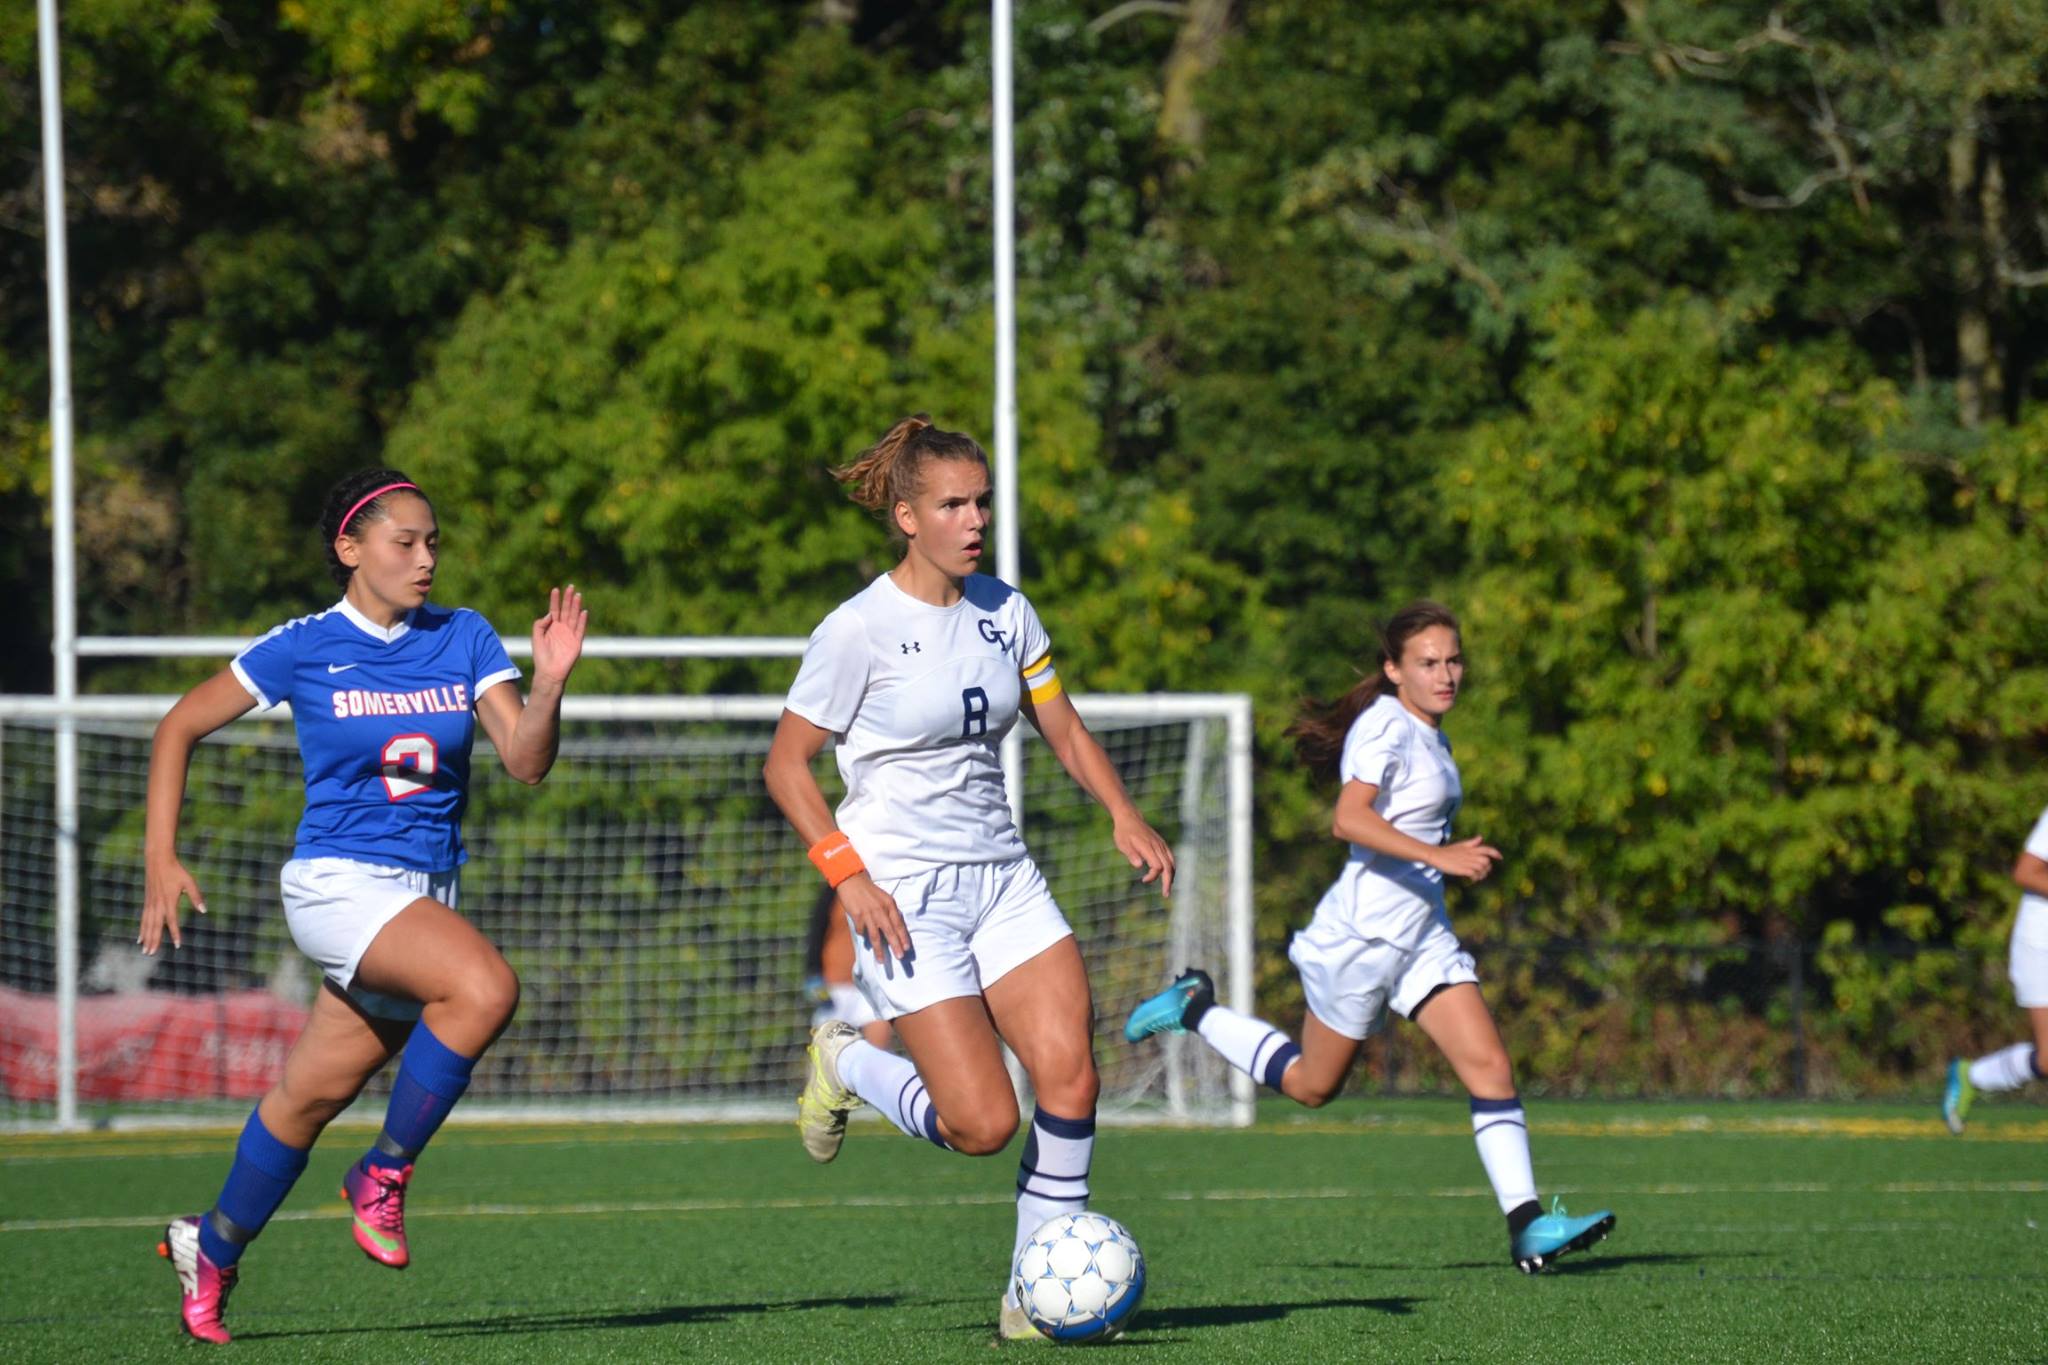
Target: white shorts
x=335 y=906
x=970 y=925
x=2029 y=964
x=1351 y=982
x=846 y=1004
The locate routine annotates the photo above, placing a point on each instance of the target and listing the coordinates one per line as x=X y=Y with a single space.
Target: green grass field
x=1364 y=1231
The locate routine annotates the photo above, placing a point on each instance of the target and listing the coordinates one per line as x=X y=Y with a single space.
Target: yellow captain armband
x=1041 y=679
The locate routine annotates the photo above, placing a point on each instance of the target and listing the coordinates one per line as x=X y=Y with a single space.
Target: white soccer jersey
x=2037 y=844
x=1391 y=898
x=2030 y=932
x=919 y=697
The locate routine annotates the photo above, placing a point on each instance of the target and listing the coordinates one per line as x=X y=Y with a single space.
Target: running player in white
x=386 y=692
x=957 y=940
x=1380 y=939
x=2009 y=1068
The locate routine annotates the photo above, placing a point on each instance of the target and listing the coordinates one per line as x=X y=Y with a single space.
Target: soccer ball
x=1079 y=1277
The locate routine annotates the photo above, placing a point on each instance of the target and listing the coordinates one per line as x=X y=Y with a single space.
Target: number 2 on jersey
x=414 y=751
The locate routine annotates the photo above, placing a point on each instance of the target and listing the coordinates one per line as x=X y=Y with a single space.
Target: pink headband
x=371 y=497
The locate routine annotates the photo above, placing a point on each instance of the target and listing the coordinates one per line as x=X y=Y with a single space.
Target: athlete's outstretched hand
x=163 y=882
x=875 y=917
x=1141 y=843
x=558 y=636
x=1468 y=858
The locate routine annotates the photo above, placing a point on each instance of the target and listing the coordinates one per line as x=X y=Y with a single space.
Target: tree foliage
x=1692 y=352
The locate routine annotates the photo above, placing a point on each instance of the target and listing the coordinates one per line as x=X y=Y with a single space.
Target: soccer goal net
x=651 y=898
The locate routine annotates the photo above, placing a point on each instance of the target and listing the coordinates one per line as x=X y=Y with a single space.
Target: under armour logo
x=912 y=648
x=987 y=626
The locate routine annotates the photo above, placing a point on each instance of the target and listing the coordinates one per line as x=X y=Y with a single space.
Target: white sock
x=2006 y=1069
x=1253 y=1046
x=892 y=1085
x=1052 y=1175
x=1502 y=1132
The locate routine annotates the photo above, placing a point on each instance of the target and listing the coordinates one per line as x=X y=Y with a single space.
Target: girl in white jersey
x=957 y=941
x=1380 y=939
x=386 y=693
x=2020 y=1064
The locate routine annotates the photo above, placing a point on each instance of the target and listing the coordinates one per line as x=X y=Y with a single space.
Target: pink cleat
x=378 y=1200
x=206 y=1286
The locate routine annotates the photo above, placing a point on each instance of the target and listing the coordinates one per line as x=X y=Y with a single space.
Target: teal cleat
x=1956 y=1097
x=1174 y=1010
x=1537 y=1246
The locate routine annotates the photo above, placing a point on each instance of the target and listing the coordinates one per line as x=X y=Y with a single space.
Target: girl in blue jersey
x=385 y=693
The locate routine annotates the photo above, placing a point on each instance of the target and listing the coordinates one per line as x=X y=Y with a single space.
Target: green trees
x=1882 y=156
x=1753 y=664
x=1692 y=352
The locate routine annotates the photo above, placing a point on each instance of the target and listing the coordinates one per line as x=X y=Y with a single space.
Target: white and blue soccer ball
x=1080 y=1277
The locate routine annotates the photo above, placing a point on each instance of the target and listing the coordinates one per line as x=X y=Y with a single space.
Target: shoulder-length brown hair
x=1320 y=726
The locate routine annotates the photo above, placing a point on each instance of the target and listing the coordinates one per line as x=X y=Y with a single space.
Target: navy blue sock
x=1277 y=1064
x=917 y=1114
x=1253 y=1046
x=263 y=1174
x=431 y=1077
x=1052 y=1176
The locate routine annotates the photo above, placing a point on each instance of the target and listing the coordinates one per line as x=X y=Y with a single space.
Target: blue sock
x=431 y=1078
x=263 y=1174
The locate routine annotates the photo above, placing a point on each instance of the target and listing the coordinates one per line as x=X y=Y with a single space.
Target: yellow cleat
x=822 y=1108
x=1013 y=1325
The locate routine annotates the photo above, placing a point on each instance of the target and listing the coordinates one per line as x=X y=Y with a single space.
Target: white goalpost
x=649 y=895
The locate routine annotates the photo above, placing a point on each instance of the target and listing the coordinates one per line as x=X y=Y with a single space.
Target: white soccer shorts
x=970 y=925
x=1351 y=982
x=2029 y=963
x=336 y=906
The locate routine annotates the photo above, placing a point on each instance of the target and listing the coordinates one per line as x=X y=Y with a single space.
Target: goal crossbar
x=1109 y=707
x=520 y=646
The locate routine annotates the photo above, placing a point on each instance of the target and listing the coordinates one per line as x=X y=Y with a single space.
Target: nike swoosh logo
x=369 y=1230
x=339 y=668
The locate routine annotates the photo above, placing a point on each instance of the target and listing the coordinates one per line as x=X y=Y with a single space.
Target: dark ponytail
x=1320 y=727
x=350 y=502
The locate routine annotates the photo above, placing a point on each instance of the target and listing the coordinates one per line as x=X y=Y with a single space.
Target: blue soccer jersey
x=385 y=719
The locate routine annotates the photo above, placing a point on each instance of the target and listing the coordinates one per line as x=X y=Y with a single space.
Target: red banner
x=150 y=1045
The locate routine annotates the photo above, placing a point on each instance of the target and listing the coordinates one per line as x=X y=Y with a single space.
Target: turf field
x=1364 y=1231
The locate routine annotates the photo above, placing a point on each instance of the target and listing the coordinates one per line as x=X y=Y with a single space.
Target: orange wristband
x=833 y=855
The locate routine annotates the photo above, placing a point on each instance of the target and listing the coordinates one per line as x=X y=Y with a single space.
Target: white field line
x=25 y=1148
x=612 y=1209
